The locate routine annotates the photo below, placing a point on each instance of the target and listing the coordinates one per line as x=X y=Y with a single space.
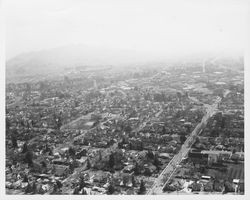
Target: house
x=205 y=178
x=60 y=162
x=197 y=157
x=241 y=155
x=61 y=170
x=187 y=124
x=238 y=185
x=173 y=143
x=164 y=156
x=215 y=156
x=176 y=137
x=129 y=168
x=82 y=160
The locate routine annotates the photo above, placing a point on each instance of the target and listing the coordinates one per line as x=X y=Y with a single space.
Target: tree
x=58 y=122
x=179 y=95
x=111 y=161
x=71 y=167
x=72 y=152
x=164 y=131
x=76 y=190
x=223 y=122
x=25 y=178
x=150 y=154
x=120 y=145
x=133 y=181
x=137 y=170
x=59 y=184
x=34 y=187
x=125 y=180
x=44 y=165
x=182 y=139
x=157 y=162
x=147 y=172
x=84 y=192
x=29 y=158
x=81 y=183
x=234 y=151
x=124 y=141
x=127 y=129
x=110 y=189
x=100 y=155
x=158 y=97
x=28 y=189
x=168 y=187
x=141 y=146
x=142 y=187
x=25 y=148
x=130 y=146
x=214 y=133
x=88 y=164
x=55 y=188
x=14 y=141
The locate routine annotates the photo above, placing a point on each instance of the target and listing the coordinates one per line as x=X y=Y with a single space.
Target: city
x=158 y=130
x=116 y=97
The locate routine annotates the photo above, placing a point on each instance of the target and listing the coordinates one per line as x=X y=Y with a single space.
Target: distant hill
x=66 y=57
x=55 y=59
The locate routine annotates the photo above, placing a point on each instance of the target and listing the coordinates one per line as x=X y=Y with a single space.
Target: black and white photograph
x=124 y=97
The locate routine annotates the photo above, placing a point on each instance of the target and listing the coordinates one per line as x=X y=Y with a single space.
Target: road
x=169 y=170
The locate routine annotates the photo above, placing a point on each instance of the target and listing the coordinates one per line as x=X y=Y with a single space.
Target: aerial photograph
x=118 y=97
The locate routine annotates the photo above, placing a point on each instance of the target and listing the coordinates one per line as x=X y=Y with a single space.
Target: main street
x=168 y=171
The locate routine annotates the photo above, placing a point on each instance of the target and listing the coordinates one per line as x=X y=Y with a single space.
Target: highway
x=169 y=170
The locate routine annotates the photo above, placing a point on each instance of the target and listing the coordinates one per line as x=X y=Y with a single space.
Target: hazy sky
x=161 y=27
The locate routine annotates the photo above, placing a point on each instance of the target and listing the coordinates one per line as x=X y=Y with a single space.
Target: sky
x=174 y=27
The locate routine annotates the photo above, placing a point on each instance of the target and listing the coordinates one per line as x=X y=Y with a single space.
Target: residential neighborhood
x=144 y=131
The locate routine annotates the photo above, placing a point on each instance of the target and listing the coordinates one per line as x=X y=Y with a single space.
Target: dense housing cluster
x=104 y=132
